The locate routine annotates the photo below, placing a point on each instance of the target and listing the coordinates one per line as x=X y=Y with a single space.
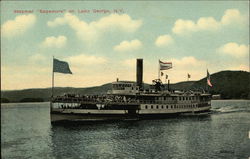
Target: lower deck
x=105 y=112
x=90 y=115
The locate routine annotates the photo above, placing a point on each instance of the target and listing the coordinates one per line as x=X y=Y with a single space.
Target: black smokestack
x=139 y=72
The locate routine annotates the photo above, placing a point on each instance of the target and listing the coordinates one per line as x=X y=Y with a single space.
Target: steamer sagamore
x=129 y=101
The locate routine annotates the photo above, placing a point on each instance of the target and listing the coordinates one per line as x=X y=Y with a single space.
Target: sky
x=102 y=40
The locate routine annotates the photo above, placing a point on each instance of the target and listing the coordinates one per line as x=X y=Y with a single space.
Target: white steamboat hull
x=59 y=114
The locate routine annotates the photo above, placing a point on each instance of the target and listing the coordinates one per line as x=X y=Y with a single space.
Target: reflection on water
x=27 y=133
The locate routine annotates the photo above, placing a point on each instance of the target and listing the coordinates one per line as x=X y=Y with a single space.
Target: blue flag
x=61 y=66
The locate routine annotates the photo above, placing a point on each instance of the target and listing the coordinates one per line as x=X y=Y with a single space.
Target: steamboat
x=129 y=101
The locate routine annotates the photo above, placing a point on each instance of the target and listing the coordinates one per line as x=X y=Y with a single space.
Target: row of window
x=168 y=106
x=122 y=85
x=180 y=98
x=189 y=98
x=123 y=88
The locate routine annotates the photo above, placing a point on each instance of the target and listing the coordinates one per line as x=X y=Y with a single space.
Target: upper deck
x=124 y=88
x=131 y=90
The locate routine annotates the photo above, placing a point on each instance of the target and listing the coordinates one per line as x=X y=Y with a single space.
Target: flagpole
x=52 y=88
x=159 y=69
x=206 y=81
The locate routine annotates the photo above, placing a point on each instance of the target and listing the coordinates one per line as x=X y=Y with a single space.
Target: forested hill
x=230 y=84
x=45 y=93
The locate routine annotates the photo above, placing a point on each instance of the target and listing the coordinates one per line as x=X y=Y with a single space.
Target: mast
x=159 y=69
x=52 y=87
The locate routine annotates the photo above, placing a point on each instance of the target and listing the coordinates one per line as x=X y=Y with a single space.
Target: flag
x=189 y=76
x=208 y=79
x=162 y=73
x=61 y=66
x=165 y=65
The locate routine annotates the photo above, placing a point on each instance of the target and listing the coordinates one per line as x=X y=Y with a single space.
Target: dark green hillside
x=230 y=84
x=182 y=85
x=45 y=93
x=31 y=100
x=18 y=95
x=4 y=100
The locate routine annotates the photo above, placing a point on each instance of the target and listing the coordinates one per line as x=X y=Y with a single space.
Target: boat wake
x=230 y=109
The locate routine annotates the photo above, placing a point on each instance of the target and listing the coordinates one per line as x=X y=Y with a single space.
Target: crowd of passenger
x=96 y=98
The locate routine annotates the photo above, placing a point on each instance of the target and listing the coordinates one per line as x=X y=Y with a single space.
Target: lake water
x=26 y=132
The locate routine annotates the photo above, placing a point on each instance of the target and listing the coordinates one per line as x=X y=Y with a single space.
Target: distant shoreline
x=24 y=102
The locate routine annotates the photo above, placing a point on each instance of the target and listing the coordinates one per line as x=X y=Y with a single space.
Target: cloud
x=92 y=30
x=84 y=59
x=128 y=45
x=240 y=67
x=205 y=23
x=129 y=62
x=123 y=22
x=234 y=49
x=25 y=76
x=231 y=16
x=188 y=61
x=53 y=41
x=182 y=26
x=18 y=26
x=36 y=58
x=164 y=40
